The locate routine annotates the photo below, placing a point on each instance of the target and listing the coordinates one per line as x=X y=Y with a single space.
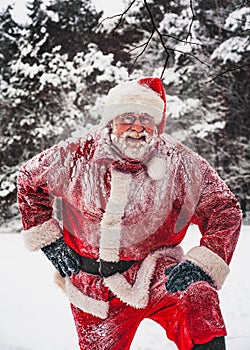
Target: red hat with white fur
x=146 y=95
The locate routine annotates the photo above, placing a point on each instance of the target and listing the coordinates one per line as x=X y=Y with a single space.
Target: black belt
x=104 y=268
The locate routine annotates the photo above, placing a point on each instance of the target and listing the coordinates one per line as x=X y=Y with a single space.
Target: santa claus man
x=128 y=195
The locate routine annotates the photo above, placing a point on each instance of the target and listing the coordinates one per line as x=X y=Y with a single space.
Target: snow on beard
x=133 y=144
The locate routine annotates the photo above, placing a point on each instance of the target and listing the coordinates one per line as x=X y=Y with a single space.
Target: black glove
x=181 y=275
x=65 y=259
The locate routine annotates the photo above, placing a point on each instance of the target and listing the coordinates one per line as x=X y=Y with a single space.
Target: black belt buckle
x=108 y=268
x=104 y=268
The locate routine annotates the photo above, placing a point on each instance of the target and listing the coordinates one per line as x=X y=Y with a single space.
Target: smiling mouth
x=136 y=138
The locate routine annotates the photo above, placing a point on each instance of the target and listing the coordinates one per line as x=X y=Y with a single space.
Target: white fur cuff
x=39 y=236
x=211 y=263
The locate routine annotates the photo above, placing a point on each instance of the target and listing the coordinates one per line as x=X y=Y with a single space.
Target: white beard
x=134 y=147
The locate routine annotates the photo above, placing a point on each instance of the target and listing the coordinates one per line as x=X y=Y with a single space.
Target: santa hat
x=146 y=95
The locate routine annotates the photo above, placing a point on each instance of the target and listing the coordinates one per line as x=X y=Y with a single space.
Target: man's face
x=133 y=134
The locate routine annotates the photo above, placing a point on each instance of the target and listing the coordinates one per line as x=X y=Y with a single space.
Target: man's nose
x=137 y=126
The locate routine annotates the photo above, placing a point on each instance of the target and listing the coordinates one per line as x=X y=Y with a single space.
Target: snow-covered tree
x=64 y=63
x=71 y=25
x=9 y=35
x=54 y=90
x=205 y=46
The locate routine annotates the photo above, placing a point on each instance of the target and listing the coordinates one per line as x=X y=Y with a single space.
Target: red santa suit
x=113 y=209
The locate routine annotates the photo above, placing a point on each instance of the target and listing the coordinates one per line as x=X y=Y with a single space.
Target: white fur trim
x=157 y=168
x=112 y=218
x=137 y=295
x=133 y=97
x=39 y=236
x=85 y=303
x=210 y=262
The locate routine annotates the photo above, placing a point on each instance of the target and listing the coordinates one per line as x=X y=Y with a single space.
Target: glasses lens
x=144 y=120
x=128 y=119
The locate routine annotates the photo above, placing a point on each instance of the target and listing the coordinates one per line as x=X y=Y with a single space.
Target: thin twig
x=182 y=41
x=138 y=46
x=143 y=50
x=121 y=15
x=192 y=21
x=191 y=55
x=165 y=66
x=167 y=49
x=160 y=36
x=227 y=71
x=168 y=36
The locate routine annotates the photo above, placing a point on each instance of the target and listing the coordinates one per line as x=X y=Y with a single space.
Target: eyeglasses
x=130 y=119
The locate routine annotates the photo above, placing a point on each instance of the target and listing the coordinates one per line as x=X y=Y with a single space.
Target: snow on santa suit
x=115 y=209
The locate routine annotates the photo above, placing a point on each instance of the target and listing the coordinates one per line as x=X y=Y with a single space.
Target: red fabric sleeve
x=38 y=181
x=218 y=216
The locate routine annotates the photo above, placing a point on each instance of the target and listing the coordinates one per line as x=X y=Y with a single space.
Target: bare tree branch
x=192 y=21
x=142 y=52
x=191 y=55
x=155 y=29
x=182 y=41
x=160 y=36
x=165 y=66
x=120 y=15
x=167 y=49
x=172 y=37
x=227 y=71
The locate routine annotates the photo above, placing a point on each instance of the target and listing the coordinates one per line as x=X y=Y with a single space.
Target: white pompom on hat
x=146 y=95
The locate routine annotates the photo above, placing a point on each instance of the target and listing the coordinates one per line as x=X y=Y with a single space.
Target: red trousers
x=189 y=317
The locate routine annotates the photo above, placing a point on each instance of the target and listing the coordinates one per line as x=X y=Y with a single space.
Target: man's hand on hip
x=65 y=259
x=181 y=275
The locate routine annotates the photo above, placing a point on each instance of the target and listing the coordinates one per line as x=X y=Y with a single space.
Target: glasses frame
x=144 y=119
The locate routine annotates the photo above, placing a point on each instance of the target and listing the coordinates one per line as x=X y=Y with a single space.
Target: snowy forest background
x=56 y=69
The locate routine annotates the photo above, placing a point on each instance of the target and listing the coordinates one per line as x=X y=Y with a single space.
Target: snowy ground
x=34 y=314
